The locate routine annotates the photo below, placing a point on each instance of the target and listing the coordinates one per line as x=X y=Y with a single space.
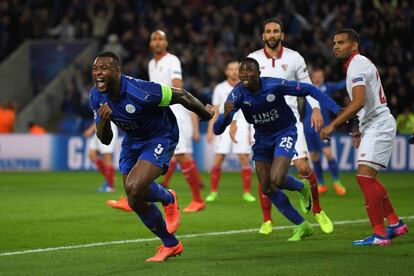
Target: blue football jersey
x=267 y=109
x=142 y=110
x=327 y=88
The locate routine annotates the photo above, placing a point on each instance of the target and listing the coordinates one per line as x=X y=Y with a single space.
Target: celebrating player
x=263 y=105
x=374 y=139
x=275 y=60
x=141 y=109
x=315 y=144
x=223 y=144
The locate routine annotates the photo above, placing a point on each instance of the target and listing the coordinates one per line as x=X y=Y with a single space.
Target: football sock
x=193 y=179
x=110 y=175
x=317 y=167
x=333 y=169
x=169 y=174
x=316 y=207
x=281 y=201
x=215 y=178
x=373 y=203
x=292 y=184
x=154 y=221
x=247 y=178
x=265 y=204
x=387 y=208
x=157 y=193
x=100 y=166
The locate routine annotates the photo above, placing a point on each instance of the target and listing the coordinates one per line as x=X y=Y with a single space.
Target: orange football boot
x=164 y=253
x=322 y=189
x=339 y=188
x=194 y=206
x=122 y=204
x=172 y=214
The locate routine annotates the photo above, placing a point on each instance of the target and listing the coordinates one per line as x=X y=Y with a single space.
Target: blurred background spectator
x=7 y=115
x=405 y=122
x=205 y=34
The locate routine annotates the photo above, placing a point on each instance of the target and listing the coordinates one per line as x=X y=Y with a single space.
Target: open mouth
x=100 y=84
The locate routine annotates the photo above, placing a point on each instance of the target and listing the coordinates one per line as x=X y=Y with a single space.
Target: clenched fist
x=105 y=112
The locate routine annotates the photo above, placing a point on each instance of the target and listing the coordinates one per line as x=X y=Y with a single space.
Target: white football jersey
x=164 y=71
x=361 y=71
x=289 y=65
x=220 y=94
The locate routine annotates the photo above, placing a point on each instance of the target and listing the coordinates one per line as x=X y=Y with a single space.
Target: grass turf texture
x=48 y=210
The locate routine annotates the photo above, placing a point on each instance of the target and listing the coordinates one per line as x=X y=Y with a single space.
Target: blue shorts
x=315 y=144
x=283 y=143
x=158 y=151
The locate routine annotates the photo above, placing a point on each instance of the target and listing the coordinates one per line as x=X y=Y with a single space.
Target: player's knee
x=134 y=189
x=303 y=168
x=278 y=180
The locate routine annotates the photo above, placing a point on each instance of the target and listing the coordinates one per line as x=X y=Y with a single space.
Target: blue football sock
x=317 y=167
x=281 y=201
x=154 y=221
x=333 y=169
x=157 y=193
x=292 y=184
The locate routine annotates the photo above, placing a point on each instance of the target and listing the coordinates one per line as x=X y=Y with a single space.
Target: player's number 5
x=286 y=142
x=158 y=149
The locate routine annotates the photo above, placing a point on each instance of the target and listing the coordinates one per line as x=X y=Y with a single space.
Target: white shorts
x=377 y=142
x=224 y=145
x=301 y=147
x=185 y=141
x=95 y=144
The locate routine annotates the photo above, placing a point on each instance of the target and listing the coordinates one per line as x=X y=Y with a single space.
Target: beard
x=273 y=44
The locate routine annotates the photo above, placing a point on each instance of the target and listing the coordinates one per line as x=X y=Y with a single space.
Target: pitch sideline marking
x=230 y=232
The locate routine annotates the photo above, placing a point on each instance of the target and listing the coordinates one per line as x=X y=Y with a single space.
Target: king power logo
x=265 y=117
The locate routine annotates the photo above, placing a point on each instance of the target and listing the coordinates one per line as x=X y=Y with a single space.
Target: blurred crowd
x=205 y=34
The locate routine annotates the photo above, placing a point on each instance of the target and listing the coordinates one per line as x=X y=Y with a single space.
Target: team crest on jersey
x=130 y=108
x=270 y=98
x=284 y=67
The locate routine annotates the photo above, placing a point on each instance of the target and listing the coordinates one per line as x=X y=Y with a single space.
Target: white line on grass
x=230 y=232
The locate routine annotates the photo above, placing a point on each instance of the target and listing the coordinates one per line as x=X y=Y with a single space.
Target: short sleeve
x=357 y=76
x=302 y=73
x=176 y=72
x=215 y=101
x=150 y=93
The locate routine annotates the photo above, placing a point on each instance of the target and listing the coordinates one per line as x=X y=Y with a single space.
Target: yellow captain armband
x=166 y=95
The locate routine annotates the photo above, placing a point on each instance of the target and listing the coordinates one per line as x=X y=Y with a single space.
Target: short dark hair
x=273 y=20
x=251 y=60
x=352 y=34
x=114 y=57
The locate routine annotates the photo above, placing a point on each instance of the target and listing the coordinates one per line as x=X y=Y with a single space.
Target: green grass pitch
x=63 y=216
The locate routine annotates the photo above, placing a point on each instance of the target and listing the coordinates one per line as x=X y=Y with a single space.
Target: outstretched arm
x=303 y=89
x=181 y=96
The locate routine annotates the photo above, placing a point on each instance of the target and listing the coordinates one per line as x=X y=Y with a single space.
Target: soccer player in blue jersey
x=263 y=105
x=317 y=146
x=141 y=109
